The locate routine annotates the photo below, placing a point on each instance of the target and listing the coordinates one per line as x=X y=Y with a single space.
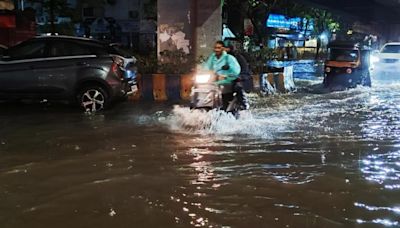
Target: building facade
x=130 y=22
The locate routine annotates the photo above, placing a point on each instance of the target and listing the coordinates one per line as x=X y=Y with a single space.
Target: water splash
x=221 y=123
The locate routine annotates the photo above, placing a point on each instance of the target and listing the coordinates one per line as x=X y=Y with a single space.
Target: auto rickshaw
x=347 y=66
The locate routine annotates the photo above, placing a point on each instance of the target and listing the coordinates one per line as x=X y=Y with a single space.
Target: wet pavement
x=302 y=160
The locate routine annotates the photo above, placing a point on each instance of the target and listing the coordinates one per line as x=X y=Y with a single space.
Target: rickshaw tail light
x=328 y=70
x=349 y=71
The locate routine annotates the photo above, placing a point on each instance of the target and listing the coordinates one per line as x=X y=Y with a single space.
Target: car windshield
x=343 y=55
x=393 y=49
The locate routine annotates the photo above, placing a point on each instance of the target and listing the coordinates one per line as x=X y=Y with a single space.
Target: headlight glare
x=203 y=78
x=374 y=59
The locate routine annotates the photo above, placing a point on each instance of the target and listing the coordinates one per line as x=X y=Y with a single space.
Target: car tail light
x=116 y=69
x=328 y=70
x=349 y=71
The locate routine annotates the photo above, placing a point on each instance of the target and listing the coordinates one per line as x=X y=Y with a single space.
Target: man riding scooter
x=227 y=68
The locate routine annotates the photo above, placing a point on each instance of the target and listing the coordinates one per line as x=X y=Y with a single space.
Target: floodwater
x=301 y=160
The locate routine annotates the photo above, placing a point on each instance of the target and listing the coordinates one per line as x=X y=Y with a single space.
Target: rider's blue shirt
x=216 y=64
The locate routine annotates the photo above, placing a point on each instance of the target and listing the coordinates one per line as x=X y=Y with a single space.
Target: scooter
x=207 y=95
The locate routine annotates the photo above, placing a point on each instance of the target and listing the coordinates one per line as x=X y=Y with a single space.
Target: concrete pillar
x=190 y=25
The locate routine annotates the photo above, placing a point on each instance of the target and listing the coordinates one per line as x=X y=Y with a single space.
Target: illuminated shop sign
x=282 y=22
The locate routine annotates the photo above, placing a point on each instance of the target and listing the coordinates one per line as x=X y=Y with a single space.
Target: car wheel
x=93 y=98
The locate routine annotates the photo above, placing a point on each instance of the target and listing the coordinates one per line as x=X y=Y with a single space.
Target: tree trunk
x=256 y=30
x=318 y=48
x=305 y=32
x=52 y=18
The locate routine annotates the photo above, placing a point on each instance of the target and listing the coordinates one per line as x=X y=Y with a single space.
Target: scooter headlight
x=203 y=78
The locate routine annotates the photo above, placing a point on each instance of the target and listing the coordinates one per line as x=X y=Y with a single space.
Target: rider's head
x=229 y=48
x=219 y=48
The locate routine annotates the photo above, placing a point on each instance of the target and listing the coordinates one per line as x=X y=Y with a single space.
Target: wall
x=190 y=25
x=175 y=25
x=208 y=25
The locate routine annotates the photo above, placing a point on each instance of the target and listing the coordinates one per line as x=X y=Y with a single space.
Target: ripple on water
x=383 y=169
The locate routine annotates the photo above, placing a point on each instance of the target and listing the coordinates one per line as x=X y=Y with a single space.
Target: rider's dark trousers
x=226 y=99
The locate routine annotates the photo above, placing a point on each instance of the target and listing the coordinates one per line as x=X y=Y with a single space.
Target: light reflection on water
x=385 y=222
x=297 y=160
x=357 y=117
x=383 y=169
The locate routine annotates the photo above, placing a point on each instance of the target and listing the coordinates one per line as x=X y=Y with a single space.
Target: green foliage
x=171 y=62
x=176 y=62
x=258 y=58
x=258 y=10
x=147 y=64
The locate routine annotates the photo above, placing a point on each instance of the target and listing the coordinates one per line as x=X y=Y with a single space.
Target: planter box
x=164 y=87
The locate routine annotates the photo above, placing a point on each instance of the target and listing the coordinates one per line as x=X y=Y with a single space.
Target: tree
x=258 y=12
x=324 y=22
x=53 y=8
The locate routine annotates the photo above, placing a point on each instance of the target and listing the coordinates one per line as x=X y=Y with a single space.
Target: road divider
x=278 y=82
x=173 y=87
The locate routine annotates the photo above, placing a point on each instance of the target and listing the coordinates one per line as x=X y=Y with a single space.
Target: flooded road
x=300 y=160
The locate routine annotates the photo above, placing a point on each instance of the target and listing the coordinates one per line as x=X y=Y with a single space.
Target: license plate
x=134 y=89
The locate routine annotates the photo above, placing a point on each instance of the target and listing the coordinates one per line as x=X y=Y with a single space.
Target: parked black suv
x=2 y=49
x=89 y=72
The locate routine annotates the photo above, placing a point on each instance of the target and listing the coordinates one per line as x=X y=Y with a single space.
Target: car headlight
x=203 y=78
x=374 y=59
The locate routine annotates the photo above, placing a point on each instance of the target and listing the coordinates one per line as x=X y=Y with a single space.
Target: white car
x=386 y=62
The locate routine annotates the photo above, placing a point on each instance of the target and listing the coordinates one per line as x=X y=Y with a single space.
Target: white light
x=374 y=59
x=323 y=36
x=203 y=78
